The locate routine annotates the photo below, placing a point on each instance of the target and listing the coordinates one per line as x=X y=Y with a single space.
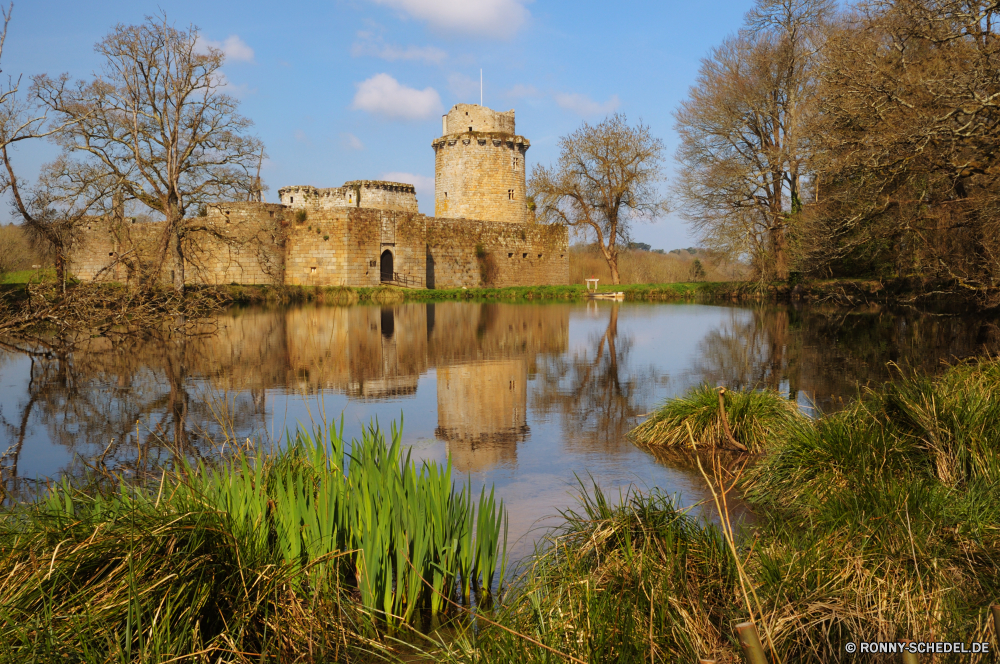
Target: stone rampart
x=233 y=243
x=482 y=253
x=375 y=194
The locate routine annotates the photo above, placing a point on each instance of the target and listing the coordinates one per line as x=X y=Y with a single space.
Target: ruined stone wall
x=259 y=243
x=480 y=253
x=240 y=243
x=234 y=243
x=473 y=117
x=375 y=194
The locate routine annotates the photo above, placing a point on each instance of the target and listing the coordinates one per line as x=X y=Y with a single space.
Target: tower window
x=516 y=160
x=510 y=194
x=524 y=255
x=446 y=194
x=291 y=199
x=470 y=128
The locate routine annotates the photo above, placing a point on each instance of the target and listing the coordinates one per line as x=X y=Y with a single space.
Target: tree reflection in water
x=824 y=356
x=125 y=403
x=597 y=394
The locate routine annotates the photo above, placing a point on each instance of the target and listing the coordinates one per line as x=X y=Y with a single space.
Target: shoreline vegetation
x=837 y=292
x=875 y=523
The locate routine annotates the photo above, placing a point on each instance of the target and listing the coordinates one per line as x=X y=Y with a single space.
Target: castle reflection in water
x=482 y=356
x=127 y=400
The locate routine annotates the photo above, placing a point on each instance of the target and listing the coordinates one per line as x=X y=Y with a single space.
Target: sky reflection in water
x=523 y=396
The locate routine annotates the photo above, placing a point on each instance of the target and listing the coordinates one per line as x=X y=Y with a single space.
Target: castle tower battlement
x=479 y=166
x=375 y=194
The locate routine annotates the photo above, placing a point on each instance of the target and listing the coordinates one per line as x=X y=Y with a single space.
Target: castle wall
x=239 y=243
x=256 y=243
x=481 y=253
x=375 y=194
x=234 y=243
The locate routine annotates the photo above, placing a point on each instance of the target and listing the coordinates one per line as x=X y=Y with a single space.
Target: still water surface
x=522 y=396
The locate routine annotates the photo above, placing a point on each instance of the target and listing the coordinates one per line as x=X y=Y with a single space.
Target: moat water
x=527 y=397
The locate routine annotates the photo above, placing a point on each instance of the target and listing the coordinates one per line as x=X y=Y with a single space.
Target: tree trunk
x=779 y=251
x=613 y=264
x=177 y=270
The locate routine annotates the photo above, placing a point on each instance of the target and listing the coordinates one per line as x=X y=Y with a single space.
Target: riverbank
x=847 y=293
x=837 y=292
x=878 y=523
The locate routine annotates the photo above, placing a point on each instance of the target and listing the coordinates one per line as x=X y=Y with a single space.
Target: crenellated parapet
x=375 y=194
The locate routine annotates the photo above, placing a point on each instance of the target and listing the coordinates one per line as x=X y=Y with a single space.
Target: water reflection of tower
x=481 y=411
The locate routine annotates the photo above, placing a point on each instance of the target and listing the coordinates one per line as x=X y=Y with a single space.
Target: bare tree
x=743 y=149
x=20 y=121
x=607 y=176
x=158 y=123
x=909 y=154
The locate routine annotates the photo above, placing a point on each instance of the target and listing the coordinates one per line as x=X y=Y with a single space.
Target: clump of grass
x=631 y=580
x=756 y=419
x=877 y=523
x=313 y=551
x=386 y=295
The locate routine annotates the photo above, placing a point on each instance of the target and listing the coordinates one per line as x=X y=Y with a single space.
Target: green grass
x=758 y=419
x=877 y=523
x=28 y=276
x=316 y=552
x=392 y=294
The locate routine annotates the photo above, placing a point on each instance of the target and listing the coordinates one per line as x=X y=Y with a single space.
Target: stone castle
x=367 y=232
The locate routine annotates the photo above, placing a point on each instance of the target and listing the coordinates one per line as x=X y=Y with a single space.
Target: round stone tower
x=479 y=166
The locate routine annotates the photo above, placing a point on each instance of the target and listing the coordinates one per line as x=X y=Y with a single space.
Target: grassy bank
x=316 y=553
x=878 y=523
x=392 y=294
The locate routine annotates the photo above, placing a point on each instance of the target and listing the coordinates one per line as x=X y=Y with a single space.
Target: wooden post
x=753 y=652
x=907 y=656
x=995 y=610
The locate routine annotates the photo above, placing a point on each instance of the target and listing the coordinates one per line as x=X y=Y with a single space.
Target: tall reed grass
x=313 y=552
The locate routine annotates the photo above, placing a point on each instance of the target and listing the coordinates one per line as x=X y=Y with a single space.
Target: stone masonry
x=366 y=232
x=479 y=166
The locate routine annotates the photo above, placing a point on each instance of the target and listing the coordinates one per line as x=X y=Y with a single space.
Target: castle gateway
x=367 y=232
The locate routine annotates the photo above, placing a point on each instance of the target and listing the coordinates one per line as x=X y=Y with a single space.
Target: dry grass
x=878 y=523
x=758 y=420
x=648 y=267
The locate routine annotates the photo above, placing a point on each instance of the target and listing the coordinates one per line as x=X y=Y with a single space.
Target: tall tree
x=744 y=151
x=908 y=142
x=606 y=178
x=20 y=121
x=158 y=123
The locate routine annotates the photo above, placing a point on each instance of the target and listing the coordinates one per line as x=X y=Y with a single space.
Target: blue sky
x=354 y=89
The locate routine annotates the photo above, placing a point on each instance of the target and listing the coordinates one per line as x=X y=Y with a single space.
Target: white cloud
x=351 y=141
x=423 y=184
x=383 y=95
x=369 y=44
x=494 y=18
x=234 y=48
x=584 y=106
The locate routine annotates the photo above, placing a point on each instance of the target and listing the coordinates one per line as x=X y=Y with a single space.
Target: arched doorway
x=386 y=265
